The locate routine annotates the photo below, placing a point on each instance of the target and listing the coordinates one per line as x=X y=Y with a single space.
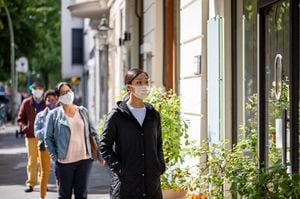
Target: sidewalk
x=13 y=162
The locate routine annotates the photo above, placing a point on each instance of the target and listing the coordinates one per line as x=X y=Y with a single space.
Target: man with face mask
x=26 y=116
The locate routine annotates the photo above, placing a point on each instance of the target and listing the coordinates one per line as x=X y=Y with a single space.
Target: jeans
x=73 y=176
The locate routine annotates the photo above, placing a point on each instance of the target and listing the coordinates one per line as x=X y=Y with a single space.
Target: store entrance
x=278 y=66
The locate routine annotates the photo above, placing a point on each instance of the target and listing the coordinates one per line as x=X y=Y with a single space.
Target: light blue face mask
x=67 y=98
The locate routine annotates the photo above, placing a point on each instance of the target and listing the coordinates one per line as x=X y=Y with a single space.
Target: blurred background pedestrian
x=39 y=131
x=29 y=108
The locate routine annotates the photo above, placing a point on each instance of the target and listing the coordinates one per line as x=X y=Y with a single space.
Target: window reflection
x=246 y=66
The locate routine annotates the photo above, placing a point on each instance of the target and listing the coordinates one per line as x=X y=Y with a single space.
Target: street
x=13 y=162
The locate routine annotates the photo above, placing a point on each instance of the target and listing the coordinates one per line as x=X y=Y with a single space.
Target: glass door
x=278 y=101
x=277 y=67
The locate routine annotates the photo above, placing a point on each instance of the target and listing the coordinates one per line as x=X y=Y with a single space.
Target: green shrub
x=174 y=131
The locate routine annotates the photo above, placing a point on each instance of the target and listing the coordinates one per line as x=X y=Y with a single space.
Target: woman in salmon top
x=67 y=141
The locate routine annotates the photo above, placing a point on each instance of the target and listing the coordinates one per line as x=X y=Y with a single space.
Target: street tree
x=36 y=25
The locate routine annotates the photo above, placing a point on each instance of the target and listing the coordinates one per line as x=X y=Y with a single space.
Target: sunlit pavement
x=13 y=171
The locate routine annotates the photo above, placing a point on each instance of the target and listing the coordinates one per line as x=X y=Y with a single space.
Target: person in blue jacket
x=131 y=142
x=39 y=132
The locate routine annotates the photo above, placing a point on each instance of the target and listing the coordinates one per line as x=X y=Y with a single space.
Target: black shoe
x=29 y=189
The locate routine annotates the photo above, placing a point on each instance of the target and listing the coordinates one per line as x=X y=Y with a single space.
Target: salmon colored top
x=77 y=147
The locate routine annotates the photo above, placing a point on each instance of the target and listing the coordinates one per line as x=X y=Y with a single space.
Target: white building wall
x=89 y=41
x=191 y=84
x=116 y=52
x=90 y=67
x=91 y=104
x=152 y=48
x=67 y=23
x=193 y=41
x=132 y=26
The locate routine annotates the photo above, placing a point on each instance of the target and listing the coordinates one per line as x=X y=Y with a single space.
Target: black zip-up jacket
x=134 y=153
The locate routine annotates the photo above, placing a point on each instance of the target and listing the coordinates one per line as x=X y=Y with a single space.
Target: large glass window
x=276 y=88
x=246 y=67
x=77 y=46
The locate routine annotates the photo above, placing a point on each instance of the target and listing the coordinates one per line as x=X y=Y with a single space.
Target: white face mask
x=141 y=92
x=37 y=93
x=67 y=98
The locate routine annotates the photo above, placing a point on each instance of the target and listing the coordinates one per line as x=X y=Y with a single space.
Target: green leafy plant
x=239 y=168
x=250 y=182
x=275 y=107
x=174 y=131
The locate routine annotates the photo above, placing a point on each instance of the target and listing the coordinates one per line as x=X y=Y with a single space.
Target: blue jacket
x=57 y=135
x=39 y=127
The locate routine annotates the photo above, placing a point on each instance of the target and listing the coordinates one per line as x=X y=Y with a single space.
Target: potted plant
x=174 y=131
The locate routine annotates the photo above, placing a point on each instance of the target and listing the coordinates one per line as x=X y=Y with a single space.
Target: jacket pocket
x=158 y=168
x=131 y=185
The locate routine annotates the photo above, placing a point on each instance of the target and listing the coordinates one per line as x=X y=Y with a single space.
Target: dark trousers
x=73 y=176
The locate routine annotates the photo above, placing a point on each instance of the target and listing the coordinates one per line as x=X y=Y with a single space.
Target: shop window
x=246 y=69
x=77 y=46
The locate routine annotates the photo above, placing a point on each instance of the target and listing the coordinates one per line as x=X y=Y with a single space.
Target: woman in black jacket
x=132 y=144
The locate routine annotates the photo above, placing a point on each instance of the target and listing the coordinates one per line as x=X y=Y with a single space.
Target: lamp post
x=12 y=65
x=103 y=30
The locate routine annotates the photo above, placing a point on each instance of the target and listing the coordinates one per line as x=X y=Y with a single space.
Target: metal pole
x=262 y=139
x=105 y=79
x=12 y=62
x=294 y=86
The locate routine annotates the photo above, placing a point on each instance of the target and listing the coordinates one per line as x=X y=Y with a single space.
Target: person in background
x=67 y=139
x=26 y=116
x=131 y=142
x=39 y=132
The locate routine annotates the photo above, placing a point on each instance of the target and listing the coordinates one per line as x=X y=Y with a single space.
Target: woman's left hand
x=102 y=162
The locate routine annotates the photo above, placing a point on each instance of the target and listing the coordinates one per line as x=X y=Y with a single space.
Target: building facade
x=72 y=49
x=219 y=56
x=93 y=79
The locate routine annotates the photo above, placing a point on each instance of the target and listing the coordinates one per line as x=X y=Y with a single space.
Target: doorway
x=278 y=83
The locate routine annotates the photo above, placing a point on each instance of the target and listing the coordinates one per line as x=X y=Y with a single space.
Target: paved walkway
x=13 y=161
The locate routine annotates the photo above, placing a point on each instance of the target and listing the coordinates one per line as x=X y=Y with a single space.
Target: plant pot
x=173 y=194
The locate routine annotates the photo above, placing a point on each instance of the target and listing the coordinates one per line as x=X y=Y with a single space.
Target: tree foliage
x=36 y=25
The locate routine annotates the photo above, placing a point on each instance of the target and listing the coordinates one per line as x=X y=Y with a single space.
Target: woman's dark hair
x=132 y=74
x=49 y=92
x=59 y=85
